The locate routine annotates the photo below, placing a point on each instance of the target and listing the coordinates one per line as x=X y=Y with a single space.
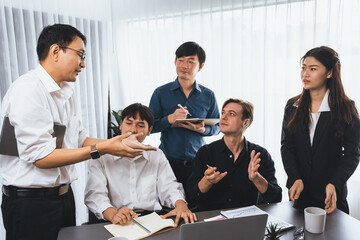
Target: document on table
x=216 y=218
x=151 y=222
x=252 y=211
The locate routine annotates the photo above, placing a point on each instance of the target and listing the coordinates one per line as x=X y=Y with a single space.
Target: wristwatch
x=94 y=153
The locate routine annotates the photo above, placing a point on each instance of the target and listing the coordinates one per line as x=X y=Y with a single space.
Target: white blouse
x=324 y=107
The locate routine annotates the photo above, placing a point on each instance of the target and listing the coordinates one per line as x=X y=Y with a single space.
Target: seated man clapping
x=233 y=172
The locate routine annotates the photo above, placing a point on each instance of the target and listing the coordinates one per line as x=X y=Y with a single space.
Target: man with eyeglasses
x=37 y=198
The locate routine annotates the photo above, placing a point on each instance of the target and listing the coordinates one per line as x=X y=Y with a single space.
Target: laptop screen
x=247 y=228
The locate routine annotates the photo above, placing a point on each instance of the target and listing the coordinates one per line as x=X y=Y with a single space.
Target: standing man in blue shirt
x=177 y=100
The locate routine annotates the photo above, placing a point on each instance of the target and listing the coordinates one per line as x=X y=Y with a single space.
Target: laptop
x=246 y=228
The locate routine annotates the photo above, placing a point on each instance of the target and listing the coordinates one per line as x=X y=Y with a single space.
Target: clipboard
x=208 y=121
x=8 y=143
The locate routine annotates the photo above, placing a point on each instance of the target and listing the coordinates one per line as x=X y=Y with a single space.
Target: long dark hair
x=342 y=108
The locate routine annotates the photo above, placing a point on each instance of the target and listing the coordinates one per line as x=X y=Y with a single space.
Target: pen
x=208 y=166
x=179 y=105
x=137 y=223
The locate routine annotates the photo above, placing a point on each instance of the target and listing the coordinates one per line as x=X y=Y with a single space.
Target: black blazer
x=328 y=160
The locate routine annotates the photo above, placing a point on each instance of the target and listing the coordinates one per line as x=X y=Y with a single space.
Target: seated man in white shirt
x=118 y=187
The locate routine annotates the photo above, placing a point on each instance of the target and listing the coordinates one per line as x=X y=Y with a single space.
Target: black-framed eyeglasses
x=81 y=54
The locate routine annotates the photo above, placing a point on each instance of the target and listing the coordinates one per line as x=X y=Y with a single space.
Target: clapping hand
x=213 y=176
x=254 y=165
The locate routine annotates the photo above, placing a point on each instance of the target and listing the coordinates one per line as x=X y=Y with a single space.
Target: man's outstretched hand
x=133 y=142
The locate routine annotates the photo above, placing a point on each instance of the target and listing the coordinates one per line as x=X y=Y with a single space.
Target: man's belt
x=12 y=191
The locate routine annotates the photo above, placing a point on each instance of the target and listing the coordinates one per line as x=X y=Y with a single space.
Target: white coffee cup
x=118 y=238
x=314 y=219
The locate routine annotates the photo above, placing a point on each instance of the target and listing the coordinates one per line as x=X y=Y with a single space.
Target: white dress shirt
x=139 y=183
x=33 y=103
x=324 y=107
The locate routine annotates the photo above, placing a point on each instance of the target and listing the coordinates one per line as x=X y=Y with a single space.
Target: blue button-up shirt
x=181 y=143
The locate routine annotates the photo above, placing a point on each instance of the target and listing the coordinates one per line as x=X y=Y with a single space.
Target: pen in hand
x=179 y=105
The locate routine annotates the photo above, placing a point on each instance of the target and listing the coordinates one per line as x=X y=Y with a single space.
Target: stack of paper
x=253 y=210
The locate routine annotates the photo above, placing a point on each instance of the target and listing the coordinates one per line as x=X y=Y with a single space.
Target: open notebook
x=145 y=226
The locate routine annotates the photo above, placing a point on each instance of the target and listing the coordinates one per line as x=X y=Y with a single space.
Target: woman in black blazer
x=320 y=135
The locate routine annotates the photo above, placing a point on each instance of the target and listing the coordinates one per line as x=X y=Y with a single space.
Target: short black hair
x=135 y=108
x=61 y=34
x=189 y=49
